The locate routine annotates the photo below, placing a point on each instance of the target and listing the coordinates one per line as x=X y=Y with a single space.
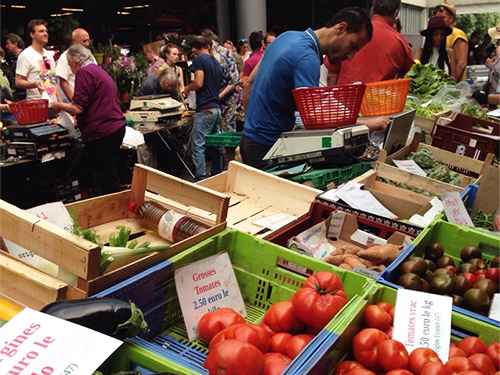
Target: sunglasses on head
x=46 y=62
x=243 y=40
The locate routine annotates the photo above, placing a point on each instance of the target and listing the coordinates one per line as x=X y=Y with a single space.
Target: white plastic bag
x=452 y=96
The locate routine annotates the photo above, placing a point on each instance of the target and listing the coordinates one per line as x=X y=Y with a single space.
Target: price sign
x=455 y=209
x=423 y=320
x=207 y=285
x=410 y=166
x=39 y=344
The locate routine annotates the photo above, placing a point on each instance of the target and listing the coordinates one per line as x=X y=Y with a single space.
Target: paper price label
x=205 y=286
x=455 y=209
x=423 y=320
x=410 y=166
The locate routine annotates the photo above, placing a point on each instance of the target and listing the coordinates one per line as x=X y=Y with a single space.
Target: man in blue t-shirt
x=207 y=83
x=293 y=60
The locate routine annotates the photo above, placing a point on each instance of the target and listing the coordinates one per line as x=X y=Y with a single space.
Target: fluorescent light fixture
x=72 y=9
x=61 y=14
x=123 y=13
x=18 y=6
x=137 y=6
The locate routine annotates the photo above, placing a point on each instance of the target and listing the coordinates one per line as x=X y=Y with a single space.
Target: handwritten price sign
x=455 y=209
x=39 y=344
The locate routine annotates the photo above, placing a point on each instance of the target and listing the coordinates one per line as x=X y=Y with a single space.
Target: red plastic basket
x=329 y=107
x=385 y=97
x=30 y=111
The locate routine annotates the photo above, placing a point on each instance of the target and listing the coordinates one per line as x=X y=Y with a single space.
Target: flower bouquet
x=126 y=73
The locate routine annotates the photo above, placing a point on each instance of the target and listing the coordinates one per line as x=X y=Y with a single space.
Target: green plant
x=62 y=27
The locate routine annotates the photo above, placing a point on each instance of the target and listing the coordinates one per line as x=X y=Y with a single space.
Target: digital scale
x=36 y=140
x=153 y=112
x=319 y=147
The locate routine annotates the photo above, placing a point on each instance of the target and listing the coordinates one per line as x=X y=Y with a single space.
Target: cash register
x=153 y=112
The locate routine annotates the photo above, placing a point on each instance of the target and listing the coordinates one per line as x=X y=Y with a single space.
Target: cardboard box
x=82 y=258
x=256 y=195
x=470 y=169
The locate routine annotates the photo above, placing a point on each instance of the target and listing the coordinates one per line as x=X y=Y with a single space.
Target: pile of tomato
x=240 y=348
x=375 y=353
x=471 y=283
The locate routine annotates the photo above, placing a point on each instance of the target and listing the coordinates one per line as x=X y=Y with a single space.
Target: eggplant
x=110 y=316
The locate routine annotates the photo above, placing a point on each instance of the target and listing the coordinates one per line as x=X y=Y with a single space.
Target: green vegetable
x=483 y=220
x=472 y=110
x=121 y=256
x=424 y=158
x=427 y=80
x=89 y=234
x=427 y=111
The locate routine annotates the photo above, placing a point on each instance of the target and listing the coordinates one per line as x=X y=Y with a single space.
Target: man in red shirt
x=386 y=56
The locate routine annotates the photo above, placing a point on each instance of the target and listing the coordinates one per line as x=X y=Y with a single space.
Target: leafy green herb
x=89 y=234
x=427 y=80
x=472 y=110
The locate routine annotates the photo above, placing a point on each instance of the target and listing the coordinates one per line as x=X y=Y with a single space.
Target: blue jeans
x=206 y=121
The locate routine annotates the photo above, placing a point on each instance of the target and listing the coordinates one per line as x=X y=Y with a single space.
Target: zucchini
x=110 y=316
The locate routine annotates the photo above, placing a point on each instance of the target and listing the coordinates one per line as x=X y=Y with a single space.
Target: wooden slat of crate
x=27 y=285
x=256 y=230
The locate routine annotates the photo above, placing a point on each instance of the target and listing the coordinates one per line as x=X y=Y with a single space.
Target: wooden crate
x=428 y=124
x=256 y=194
x=82 y=258
x=470 y=169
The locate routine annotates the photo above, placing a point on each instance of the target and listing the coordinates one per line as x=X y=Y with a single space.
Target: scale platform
x=319 y=147
x=162 y=103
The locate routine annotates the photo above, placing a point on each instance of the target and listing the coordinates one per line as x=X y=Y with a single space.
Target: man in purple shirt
x=256 y=40
x=99 y=117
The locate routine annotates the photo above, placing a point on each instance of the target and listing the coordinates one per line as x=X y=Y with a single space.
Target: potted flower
x=126 y=74
x=99 y=53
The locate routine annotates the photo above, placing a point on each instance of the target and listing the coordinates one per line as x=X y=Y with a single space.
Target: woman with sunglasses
x=36 y=69
x=242 y=49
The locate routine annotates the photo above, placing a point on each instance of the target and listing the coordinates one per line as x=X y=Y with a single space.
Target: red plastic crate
x=329 y=107
x=464 y=135
x=30 y=111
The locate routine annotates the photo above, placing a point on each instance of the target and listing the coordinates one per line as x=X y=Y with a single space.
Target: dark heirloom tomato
x=215 y=321
x=236 y=358
x=434 y=251
x=365 y=346
x=476 y=300
x=320 y=299
x=470 y=252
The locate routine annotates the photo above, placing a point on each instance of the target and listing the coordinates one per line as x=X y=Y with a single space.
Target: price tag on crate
x=37 y=343
x=455 y=210
x=207 y=285
x=423 y=320
x=410 y=166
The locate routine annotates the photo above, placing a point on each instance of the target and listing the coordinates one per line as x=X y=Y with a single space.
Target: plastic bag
x=452 y=96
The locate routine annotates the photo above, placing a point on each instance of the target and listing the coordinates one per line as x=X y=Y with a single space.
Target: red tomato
x=471 y=277
x=393 y=310
x=365 y=345
x=376 y=317
x=344 y=367
x=296 y=344
x=420 y=357
x=281 y=317
x=493 y=351
x=451 y=268
x=320 y=298
x=275 y=363
x=471 y=345
x=389 y=331
x=471 y=372
x=458 y=364
x=385 y=305
x=246 y=332
x=391 y=355
x=434 y=368
x=399 y=371
x=483 y=363
x=236 y=358
x=456 y=352
x=279 y=341
x=360 y=371
x=481 y=273
x=493 y=274
x=215 y=321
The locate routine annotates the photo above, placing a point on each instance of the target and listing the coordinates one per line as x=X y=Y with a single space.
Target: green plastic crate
x=453 y=238
x=350 y=321
x=226 y=139
x=266 y=273
x=323 y=177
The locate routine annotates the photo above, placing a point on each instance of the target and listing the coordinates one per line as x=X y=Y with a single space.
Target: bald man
x=63 y=71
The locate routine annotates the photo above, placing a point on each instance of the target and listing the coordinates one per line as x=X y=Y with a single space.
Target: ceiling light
x=137 y=6
x=18 y=6
x=123 y=13
x=72 y=9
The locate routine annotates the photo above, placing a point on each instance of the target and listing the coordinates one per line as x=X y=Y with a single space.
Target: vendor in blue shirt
x=293 y=60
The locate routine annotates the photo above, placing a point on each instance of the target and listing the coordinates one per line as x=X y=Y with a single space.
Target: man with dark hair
x=388 y=53
x=256 y=41
x=293 y=60
x=473 y=41
x=457 y=40
x=207 y=83
x=14 y=45
x=36 y=68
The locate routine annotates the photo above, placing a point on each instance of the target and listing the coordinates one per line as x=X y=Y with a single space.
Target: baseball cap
x=448 y=6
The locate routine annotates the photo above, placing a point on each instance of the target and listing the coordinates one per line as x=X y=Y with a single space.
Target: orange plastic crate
x=385 y=97
x=30 y=111
x=329 y=107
